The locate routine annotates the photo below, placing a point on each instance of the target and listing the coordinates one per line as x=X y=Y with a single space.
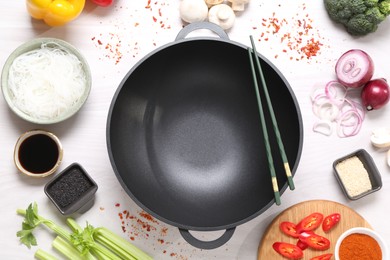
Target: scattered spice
x=360 y=247
x=112 y=46
x=296 y=35
x=141 y=227
x=354 y=176
x=157 y=13
x=125 y=33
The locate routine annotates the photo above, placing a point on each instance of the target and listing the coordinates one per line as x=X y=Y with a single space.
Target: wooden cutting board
x=349 y=219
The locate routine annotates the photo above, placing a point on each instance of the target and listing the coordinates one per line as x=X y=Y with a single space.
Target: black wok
x=185 y=140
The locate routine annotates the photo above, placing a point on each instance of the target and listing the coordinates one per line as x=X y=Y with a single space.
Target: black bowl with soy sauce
x=72 y=190
x=38 y=153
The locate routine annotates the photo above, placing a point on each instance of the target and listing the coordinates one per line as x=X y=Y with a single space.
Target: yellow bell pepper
x=55 y=12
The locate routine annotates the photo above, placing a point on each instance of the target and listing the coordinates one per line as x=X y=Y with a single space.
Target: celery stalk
x=73 y=225
x=32 y=220
x=119 y=245
x=77 y=228
x=114 y=247
x=67 y=249
x=89 y=241
x=50 y=224
x=85 y=237
x=43 y=255
x=113 y=242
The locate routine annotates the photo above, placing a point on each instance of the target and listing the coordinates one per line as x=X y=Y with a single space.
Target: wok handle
x=207 y=244
x=200 y=26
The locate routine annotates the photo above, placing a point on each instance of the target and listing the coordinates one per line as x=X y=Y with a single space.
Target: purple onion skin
x=360 y=79
x=375 y=94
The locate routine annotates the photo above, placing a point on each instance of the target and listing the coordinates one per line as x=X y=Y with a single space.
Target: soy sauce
x=38 y=153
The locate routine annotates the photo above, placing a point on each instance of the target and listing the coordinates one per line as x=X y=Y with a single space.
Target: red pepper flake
x=158 y=15
x=298 y=38
x=148 y=4
x=141 y=224
x=147 y=216
x=164 y=231
x=311 y=48
x=112 y=49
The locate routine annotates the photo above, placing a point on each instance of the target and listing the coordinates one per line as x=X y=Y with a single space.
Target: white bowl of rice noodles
x=46 y=81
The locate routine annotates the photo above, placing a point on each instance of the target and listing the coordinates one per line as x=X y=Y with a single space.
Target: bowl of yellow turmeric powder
x=361 y=243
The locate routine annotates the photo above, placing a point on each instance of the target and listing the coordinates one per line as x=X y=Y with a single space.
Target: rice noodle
x=46 y=82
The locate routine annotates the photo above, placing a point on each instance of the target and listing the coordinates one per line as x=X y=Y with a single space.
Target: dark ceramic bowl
x=72 y=190
x=369 y=165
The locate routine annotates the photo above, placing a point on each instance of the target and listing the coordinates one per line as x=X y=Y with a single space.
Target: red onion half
x=375 y=94
x=354 y=68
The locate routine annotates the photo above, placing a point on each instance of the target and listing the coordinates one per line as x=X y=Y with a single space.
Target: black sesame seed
x=69 y=187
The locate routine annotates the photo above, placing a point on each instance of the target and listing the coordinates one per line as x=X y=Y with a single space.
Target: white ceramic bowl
x=36 y=44
x=366 y=231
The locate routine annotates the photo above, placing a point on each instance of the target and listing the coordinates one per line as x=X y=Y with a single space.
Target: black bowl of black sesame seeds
x=71 y=190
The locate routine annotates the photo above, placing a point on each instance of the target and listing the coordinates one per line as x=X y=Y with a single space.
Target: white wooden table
x=113 y=40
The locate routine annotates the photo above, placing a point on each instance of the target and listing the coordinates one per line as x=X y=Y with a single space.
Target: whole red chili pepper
x=103 y=3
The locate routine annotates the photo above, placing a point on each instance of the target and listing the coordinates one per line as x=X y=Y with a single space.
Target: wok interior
x=185 y=138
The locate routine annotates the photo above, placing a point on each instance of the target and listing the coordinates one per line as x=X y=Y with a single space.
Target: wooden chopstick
x=273 y=118
x=265 y=133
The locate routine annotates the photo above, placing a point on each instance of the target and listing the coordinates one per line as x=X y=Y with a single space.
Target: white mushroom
x=388 y=157
x=238 y=5
x=211 y=3
x=381 y=137
x=222 y=15
x=193 y=10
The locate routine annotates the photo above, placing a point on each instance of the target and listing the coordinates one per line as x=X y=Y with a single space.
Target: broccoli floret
x=359 y=17
x=360 y=25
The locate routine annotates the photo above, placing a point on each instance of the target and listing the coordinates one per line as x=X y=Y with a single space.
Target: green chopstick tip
x=277 y=198
x=291 y=183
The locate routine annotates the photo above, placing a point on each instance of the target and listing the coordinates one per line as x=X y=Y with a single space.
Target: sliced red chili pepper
x=315 y=241
x=288 y=250
x=302 y=245
x=322 y=257
x=330 y=221
x=310 y=222
x=288 y=228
